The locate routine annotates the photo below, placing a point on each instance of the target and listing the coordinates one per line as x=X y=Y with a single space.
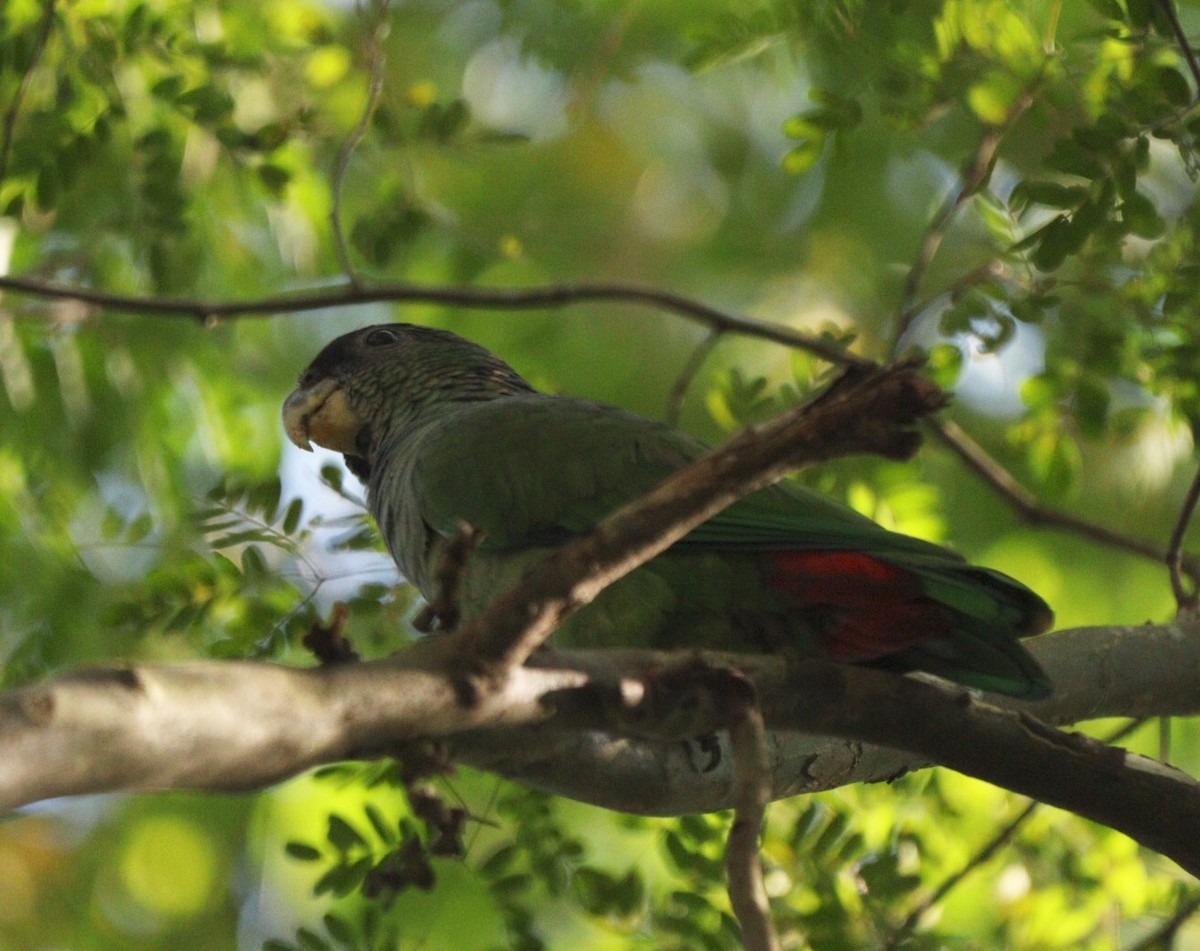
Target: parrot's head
x=371 y=382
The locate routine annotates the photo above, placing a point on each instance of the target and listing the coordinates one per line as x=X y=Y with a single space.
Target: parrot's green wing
x=535 y=470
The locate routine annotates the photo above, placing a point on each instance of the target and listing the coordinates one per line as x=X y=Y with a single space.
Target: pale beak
x=321 y=414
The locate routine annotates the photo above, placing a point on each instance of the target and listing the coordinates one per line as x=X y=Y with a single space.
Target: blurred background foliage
x=1009 y=185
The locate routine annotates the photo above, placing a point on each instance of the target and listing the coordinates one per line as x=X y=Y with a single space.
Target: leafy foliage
x=1009 y=187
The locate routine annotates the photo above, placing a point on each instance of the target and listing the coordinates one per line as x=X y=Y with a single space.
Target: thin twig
x=980 y=858
x=1185 y=599
x=1185 y=47
x=1032 y=511
x=752 y=793
x=1163 y=937
x=688 y=375
x=497 y=298
x=986 y=273
x=14 y=107
x=974 y=177
x=983 y=855
x=376 y=63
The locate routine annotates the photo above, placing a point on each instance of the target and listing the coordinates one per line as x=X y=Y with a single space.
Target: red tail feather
x=875 y=608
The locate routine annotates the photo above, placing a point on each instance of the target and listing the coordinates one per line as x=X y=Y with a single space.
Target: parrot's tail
x=947 y=618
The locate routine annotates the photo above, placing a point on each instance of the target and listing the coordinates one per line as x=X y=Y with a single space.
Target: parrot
x=443 y=432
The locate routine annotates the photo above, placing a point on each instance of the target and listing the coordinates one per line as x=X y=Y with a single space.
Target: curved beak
x=321 y=414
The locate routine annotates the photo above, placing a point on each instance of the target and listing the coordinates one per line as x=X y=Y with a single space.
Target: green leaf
x=1091 y=402
x=112 y=524
x=169 y=87
x=387 y=831
x=800 y=158
x=993 y=98
x=499 y=861
x=1071 y=157
x=291 y=518
x=519 y=883
x=207 y=103
x=311 y=941
x=343 y=836
x=238 y=538
x=1050 y=194
x=1054 y=242
x=253 y=563
x=339 y=929
x=830 y=835
x=275 y=178
x=331 y=475
x=943 y=365
x=1141 y=12
x=342 y=880
x=1040 y=391
x=302 y=852
x=995 y=217
x=1108 y=8
x=139 y=528
x=1055 y=460
x=1032 y=310
x=1141 y=217
x=836 y=115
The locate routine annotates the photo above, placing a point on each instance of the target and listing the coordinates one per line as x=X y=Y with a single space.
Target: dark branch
x=1185 y=599
x=982 y=856
x=688 y=374
x=492 y=298
x=1027 y=506
x=376 y=65
x=1072 y=771
x=14 y=107
x=974 y=177
x=1181 y=40
x=752 y=793
x=1162 y=938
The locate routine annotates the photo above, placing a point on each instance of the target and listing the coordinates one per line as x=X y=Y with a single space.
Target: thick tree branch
x=1010 y=749
x=241 y=725
x=1142 y=671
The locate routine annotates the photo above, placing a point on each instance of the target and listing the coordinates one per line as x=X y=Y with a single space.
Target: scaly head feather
x=373 y=382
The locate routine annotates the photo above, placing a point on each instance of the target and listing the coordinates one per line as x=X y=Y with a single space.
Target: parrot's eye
x=381 y=337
